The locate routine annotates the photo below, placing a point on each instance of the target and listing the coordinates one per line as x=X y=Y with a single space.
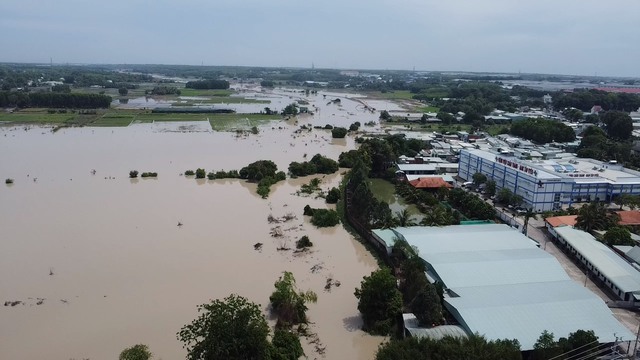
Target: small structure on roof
x=412 y=328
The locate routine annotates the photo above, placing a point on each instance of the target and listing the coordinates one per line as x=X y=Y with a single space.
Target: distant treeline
x=585 y=99
x=192 y=110
x=208 y=84
x=54 y=100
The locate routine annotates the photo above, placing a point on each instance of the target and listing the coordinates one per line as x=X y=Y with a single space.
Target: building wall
x=551 y=195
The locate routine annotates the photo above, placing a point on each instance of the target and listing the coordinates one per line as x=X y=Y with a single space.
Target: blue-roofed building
x=500 y=285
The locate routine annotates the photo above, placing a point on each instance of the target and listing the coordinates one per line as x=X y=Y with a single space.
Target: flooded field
x=99 y=263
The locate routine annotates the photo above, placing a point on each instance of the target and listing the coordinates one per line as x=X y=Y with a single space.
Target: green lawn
x=391 y=95
x=120 y=118
x=198 y=92
x=36 y=118
x=430 y=109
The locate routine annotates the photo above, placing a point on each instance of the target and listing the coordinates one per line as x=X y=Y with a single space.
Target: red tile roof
x=429 y=183
x=567 y=220
x=629 y=217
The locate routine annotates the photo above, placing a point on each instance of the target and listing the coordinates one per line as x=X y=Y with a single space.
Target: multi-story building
x=550 y=184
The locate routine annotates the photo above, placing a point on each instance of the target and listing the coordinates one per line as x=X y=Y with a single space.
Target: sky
x=573 y=37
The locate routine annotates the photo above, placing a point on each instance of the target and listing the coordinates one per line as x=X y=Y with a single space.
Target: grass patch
x=220 y=100
x=121 y=118
x=430 y=109
x=36 y=118
x=204 y=92
x=392 y=95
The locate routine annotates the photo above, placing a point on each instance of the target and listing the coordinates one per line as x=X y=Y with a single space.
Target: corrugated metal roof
x=524 y=311
x=504 y=287
x=612 y=266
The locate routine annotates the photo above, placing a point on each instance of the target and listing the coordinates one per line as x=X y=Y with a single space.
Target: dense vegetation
x=317 y=165
x=586 y=99
x=207 y=84
x=379 y=301
x=450 y=348
x=471 y=205
x=236 y=329
x=543 y=131
x=54 y=100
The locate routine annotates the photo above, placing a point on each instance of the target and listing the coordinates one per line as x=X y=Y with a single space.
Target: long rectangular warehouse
x=500 y=285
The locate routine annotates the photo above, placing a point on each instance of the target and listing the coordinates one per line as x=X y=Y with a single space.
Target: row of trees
x=54 y=100
x=471 y=205
x=542 y=131
x=207 y=84
x=586 y=99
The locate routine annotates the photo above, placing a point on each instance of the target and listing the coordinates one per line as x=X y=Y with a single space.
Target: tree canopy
x=449 y=348
x=542 y=130
x=233 y=329
x=379 y=301
x=207 y=84
x=618 y=124
x=594 y=216
x=618 y=235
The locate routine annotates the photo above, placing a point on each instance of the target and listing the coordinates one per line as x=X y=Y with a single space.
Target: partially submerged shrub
x=200 y=173
x=308 y=211
x=325 y=218
x=304 y=242
x=338 y=132
x=189 y=173
x=333 y=196
x=149 y=174
x=8 y=181
x=133 y=174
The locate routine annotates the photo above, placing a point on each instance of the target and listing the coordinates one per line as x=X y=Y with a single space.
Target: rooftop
x=607 y=262
x=433 y=182
x=503 y=286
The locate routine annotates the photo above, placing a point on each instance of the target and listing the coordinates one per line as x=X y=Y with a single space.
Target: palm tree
x=403 y=218
x=436 y=217
x=529 y=215
x=594 y=216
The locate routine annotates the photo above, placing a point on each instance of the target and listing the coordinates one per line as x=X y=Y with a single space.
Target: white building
x=550 y=184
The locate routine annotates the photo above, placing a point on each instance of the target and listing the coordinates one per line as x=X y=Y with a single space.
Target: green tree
x=594 y=216
x=338 y=132
x=403 y=218
x=447 y=119
x=333 y=196
x=573 y=114
x=384 y=115
x=479 y=178
x=426 y=306
x=546 y=347
x=529 y=214
x=504 y=196
x=450 y=348
x=286 y=346
x=379 y=301
x=288 y=303
x=200 y=173
x=233 y=328
x=136 y=352
x=123 y=91
x=490 y=188
x=618 y=124
x=618 y=235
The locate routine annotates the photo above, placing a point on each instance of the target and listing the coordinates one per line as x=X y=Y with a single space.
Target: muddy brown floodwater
x=99 y=263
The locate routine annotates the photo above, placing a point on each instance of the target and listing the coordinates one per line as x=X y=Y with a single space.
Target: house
x=596 y=109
